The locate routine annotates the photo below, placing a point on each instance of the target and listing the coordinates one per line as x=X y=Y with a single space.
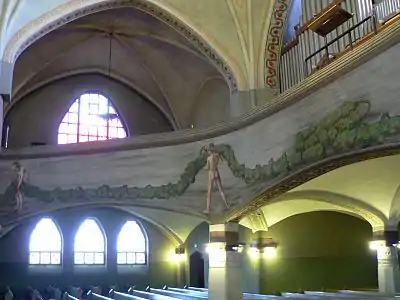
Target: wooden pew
x=308 y=297
x=368 y=293
x=9 y=295
x=249 y=296
x=94 y=296
x=177 y=295
x=121 y=296
x=186 y=291
x=76 y=292
x=345 y=296
x=96 y=289
x=145 y=295
x=55 y=293
x=67 y=296
x=35 y=295
x=195 y=289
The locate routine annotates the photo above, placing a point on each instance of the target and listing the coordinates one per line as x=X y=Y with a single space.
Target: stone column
x=388 y=263
x=225 y=263
x=244 y=101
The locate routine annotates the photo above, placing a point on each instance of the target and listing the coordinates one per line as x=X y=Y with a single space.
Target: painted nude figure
x=20 y=178
x=213 y=160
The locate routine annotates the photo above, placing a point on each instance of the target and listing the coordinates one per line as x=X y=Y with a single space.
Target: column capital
x=389 y=237
x=227 y=233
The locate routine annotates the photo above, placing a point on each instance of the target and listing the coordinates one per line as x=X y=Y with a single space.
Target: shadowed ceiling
x=146 y=54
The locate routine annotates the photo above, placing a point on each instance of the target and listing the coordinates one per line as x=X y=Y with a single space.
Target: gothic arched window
x=45 y=243
x=90 y=244
x=91 y=117
x=131 y=245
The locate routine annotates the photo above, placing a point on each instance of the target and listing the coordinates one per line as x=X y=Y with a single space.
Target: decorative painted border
x=146 y=7
x=274 y=43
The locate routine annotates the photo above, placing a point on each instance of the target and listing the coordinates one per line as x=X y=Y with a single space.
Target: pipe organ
x=327 y=28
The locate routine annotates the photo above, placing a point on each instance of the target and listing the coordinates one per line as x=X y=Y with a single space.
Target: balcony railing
x=309 y=52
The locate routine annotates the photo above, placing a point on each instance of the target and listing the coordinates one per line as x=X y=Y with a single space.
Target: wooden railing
x=308 y=52
x=333 y=49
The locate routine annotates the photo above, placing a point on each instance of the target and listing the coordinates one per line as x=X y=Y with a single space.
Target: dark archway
x=196 y=265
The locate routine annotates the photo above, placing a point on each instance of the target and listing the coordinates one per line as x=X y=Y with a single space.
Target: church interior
x=214 y=149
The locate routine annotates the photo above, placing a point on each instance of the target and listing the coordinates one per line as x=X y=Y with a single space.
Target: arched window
x=131 y=245
x=89 y=247
x=45 y=244
x=91 y=117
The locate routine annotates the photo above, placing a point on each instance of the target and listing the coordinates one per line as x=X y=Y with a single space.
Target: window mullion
x=79 y=119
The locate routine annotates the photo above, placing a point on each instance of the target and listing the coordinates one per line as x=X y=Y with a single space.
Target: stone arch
x=351 y=206
x=196 y=232
x=167 y=231
x=75 y=9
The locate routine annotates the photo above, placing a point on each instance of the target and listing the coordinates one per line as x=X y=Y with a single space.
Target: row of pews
x=193 y=293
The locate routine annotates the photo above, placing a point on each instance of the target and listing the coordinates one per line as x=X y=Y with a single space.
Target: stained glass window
x=91 y=117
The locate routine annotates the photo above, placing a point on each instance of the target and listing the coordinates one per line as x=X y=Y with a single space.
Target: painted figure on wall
x=214 y=177
x=20 y=178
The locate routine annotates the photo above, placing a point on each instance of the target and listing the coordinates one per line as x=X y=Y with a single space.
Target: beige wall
x=320 y=250
x=212 y=104
x=37 y=117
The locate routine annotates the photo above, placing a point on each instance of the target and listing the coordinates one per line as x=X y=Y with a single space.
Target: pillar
x=181 y=265
x=385 y=243
x=225 y=263
x=243 y=101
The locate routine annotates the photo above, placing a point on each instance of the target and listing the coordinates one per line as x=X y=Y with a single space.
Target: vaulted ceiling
x=128 y=45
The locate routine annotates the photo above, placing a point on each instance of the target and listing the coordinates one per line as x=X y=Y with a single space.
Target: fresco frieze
x=350 y=127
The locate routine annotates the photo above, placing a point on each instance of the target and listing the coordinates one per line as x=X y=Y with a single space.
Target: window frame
x=59 y=264
x=104 y=252
x=96 y=137
x=145 y=252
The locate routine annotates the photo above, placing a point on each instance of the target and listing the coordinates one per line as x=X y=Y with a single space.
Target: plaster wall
x=37 y=117
x=212 y=104
x=374 y=81
x=320 y=250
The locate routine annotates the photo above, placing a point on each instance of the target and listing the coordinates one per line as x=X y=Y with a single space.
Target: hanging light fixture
x=109 y=116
